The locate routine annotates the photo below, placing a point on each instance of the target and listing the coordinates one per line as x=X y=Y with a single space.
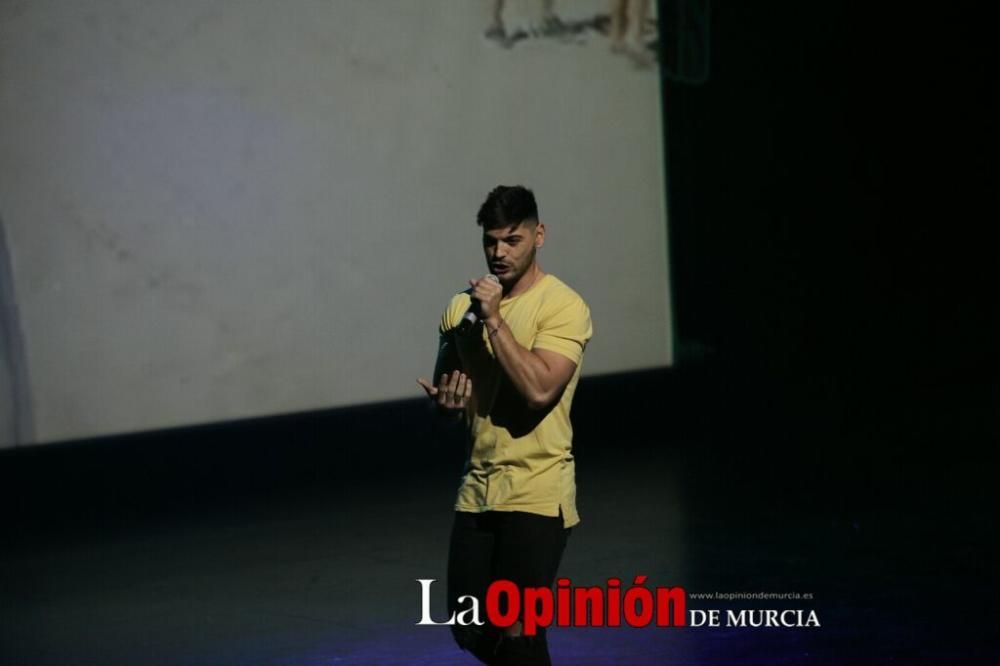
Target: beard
x=515 y=273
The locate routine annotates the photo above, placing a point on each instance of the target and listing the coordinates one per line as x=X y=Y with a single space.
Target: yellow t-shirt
x=520 y=460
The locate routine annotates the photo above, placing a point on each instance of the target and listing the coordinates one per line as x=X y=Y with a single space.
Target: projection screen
x=229 y=209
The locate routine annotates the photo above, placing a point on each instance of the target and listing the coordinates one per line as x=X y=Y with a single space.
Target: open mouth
x=500 y=269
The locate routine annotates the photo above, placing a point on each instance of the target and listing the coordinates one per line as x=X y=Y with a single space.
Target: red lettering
x=503 y=618
x=562 y=602
x=533 y=616
x=581 y=597
x=614 y=602
x=664 y=597
x=638 y=604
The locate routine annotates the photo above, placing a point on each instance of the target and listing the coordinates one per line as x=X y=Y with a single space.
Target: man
x=512 y=375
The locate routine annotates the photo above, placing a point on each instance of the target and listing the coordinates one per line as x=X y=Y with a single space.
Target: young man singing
x=509 y=359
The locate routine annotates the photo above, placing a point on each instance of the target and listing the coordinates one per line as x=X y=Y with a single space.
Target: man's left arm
x=454 y=389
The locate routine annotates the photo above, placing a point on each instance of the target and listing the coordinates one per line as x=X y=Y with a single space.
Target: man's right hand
x=452 y=392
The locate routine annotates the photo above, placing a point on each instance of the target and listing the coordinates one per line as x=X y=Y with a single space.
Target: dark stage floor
x=299 y=540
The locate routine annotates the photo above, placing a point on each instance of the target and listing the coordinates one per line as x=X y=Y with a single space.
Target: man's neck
x=527 y=281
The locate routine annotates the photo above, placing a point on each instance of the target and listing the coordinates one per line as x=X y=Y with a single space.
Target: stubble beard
x=508 y=283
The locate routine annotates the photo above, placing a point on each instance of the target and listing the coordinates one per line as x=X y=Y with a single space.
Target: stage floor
x=321 y=567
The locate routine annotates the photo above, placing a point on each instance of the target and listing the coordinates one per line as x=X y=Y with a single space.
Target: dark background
x=830 y=203
x=830 y=206
x=835 y=398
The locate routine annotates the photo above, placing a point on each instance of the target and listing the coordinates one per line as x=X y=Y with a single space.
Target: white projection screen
x=221 y=209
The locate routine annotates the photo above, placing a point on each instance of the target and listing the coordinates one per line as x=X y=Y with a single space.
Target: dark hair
x=507 y=206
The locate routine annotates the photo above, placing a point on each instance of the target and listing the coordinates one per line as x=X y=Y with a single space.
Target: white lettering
x=734 y=620
x=771 y=618
x=702 y=618
x=473 y=610
x=425 y=604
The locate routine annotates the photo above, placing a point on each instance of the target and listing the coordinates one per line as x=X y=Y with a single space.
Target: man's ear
x=539 y=235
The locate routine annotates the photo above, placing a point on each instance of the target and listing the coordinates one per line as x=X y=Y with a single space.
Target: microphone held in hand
x=471 y=315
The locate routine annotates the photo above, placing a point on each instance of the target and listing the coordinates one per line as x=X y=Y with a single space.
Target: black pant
x=524 y=548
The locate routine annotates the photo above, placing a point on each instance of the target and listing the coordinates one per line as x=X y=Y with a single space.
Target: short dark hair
x=507 y=206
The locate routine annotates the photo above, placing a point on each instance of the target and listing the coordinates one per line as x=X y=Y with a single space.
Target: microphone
x=471 y=315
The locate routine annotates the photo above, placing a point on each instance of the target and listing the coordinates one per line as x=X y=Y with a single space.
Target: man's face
x=510 y=251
